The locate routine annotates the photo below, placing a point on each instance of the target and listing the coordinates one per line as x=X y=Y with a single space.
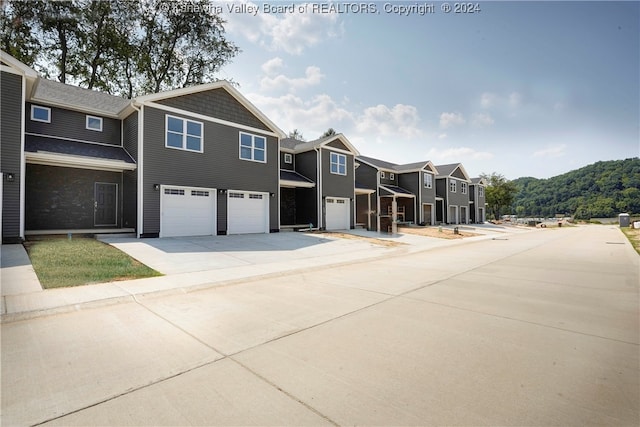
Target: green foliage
x=499 y=194
x=126 y=47
x=600 y=190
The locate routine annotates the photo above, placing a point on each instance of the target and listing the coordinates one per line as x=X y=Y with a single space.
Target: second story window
x=428 y=180
x=288 y=158
x=94 y=123
x=463 y=187
x=183 y=134
x=392 y=176
x=382 y=175
x=453 y=184
x=40 y=114
x=480 y=191
x=253 y=147
x=338 y=164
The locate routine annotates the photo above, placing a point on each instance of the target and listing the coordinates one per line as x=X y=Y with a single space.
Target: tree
x=499 y=193
x=127 y=48
x=296 y=134
x=328 y=132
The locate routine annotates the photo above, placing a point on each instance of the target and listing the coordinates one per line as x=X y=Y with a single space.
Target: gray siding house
x=477 y=202
x=195 y=161
x=388 y=193
x=317 y=183
x=452 y=194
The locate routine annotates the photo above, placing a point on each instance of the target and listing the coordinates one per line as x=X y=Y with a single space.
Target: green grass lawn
x=60 y=262
x=633 y=235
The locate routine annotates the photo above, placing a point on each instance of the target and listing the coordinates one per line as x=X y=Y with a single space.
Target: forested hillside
x=603 y=189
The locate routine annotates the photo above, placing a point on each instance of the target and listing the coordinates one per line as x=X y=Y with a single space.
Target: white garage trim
x=247 y=212
x=187 y=211
x=336 y=213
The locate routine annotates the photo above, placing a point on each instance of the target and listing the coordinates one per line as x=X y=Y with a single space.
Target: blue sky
x=519 y=88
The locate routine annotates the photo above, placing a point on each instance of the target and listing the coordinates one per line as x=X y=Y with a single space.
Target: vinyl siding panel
x=334 y=185
x=10 y=140
x=216 y=103
x=287 y=166
x=338 y=144
x=366 y=176
x=219 y=166
x=458 y=174
x=72 y=124
x=130 y=178
x=307 y=198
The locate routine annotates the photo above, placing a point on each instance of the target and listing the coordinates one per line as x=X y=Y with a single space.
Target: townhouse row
x=201 y=160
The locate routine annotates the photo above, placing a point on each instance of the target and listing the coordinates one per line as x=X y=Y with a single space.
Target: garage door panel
x=337 y=213
x=187 y=212
x=248 y=212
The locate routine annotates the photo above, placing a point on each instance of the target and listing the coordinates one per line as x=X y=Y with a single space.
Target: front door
x=426 y=210
x=106 y=204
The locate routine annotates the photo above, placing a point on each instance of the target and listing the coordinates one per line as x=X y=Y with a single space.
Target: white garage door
x=247 y=212
x=187 y=211
x=337 y=213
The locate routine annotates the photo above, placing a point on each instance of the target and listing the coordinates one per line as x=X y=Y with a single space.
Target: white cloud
x=313 y=76
x=488 y=99
x=515 y=100
x=272 y=66
x=399 y=120
x=458 y=154
x=288 y=32
x=552 y=151
x=448 y=120
x=482 y=120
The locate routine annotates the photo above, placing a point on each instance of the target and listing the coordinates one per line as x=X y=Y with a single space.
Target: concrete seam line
x=286 y=393
x=524 y=321
x=128 y=391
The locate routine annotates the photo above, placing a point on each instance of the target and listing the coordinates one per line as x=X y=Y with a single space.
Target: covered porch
x=396 y=206
x=298 y=201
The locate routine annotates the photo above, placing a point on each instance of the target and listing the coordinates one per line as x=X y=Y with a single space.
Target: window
x=199 y=193
x=392 y=176
x=463 y=187
x=183 y=134
x=94 y=123
x=174 y=191
x=236 y=195
x=288 y=158
x=40 y=114
x=253 y=147
x=338 y=164
x=255 y=196
x=481 y=191
x=428 y=180
x=452 y=185
x=382 y=175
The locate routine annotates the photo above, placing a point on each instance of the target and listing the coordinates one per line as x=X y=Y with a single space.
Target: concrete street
x=535 y=328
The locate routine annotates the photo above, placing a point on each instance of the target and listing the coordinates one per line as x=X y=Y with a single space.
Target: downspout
x=378 y=200
x=319 y=179
x=23 y=161
x=139 y=169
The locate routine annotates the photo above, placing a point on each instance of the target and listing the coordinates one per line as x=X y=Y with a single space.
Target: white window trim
x=480 y=191
x=382 y=175
x=463 y=187
x=427 y=184
x=453 y=186
x=288 y=158
x=331 y=163
x=253 y=147
x=40 y=120
x=86 y=123
x=184 y=134
x=392 y=176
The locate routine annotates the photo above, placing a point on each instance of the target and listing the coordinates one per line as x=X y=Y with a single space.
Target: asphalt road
x=538 y=328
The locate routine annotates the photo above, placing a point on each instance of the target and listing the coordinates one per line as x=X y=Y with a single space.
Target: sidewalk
x=23 y=297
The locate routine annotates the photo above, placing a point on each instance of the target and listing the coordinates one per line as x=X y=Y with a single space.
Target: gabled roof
x=297 y=146
x=448 y=170
x=397 y=191
x=479 y=181
x=76 y=98
x=17 y=65
x=222 y=84
x=392 y=167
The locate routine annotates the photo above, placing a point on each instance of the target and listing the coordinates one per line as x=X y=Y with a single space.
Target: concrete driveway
x=177 y=255
x=532 y=329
